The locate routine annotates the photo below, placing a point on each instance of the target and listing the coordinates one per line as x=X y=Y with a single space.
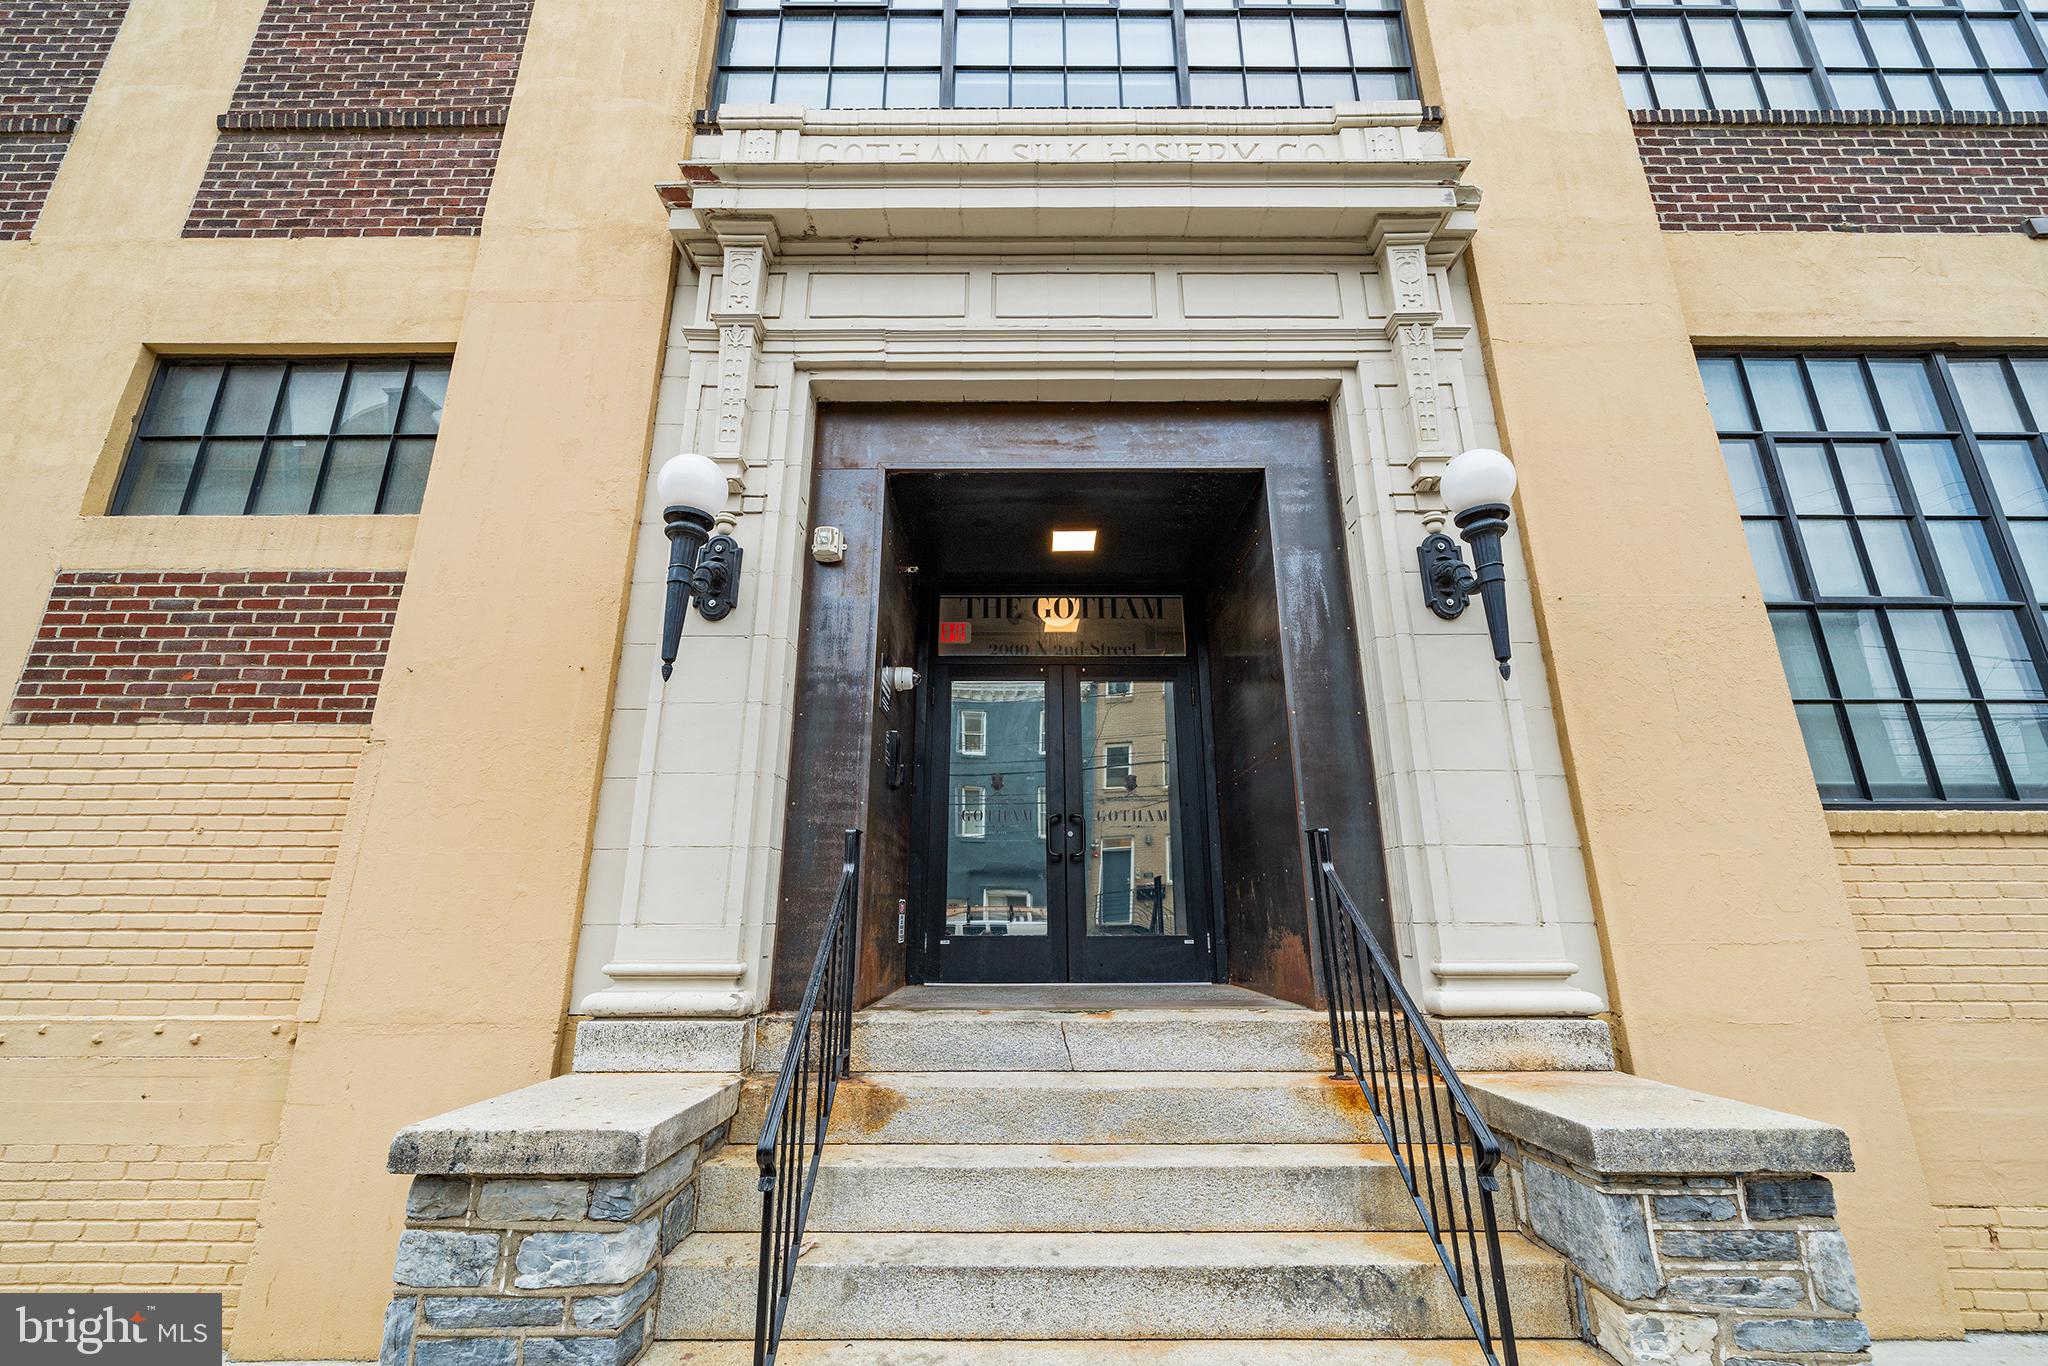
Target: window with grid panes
x=285 y=437
x=1024 y=54
x=1897 y=512
x=1922 y=55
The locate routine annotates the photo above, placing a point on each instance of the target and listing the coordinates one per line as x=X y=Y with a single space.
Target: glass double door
x=1070 y=838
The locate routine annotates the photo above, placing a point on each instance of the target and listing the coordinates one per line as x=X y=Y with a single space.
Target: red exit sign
x=953 y=633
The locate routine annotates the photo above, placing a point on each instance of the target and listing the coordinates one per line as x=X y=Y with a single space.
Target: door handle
x=1052 y=839
x=1074 y=840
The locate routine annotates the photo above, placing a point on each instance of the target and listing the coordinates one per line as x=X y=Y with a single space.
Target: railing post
x=1323 y=938
x=792 y=1141
x=1417 y=1101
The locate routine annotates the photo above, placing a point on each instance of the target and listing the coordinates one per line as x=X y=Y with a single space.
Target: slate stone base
x=553 y=1270
x=1699 y=1269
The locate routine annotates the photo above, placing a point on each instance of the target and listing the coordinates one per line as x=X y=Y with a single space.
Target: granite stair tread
x=1123 y=1352
x=964 y=1187
x=989 y=1285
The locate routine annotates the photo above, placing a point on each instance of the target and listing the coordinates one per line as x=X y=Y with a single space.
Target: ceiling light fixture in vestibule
x=1067 y=542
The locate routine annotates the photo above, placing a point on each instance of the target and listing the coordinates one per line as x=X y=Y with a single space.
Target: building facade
x=344 y=785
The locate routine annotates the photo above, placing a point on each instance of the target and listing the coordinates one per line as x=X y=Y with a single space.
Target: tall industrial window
x=267 y=436
x=1943 y=55
x=1897 y=512
x=996 y=54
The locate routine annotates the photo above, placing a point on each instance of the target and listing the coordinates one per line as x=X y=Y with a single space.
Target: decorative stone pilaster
x=537 y=1220
x=1697 y=1231
x=1412 y=316
x=746 y=250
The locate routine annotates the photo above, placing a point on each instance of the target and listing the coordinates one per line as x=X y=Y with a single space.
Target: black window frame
x=132 y=461
x=1185 y=74
x=2029 y=19
x=2026 y=599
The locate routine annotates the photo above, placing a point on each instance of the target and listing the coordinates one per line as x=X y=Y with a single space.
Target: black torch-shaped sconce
x=702 y=568
x=1477 y=485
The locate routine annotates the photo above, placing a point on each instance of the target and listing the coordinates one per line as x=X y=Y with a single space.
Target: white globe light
x=691 y=480
x=1477 y=477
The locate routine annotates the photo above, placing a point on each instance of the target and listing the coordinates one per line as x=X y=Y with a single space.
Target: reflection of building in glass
x=1128 y=752
x=996 y=865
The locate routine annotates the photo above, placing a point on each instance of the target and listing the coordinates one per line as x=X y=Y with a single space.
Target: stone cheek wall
x=233 y=646
x=1952 y=912
x=551 y=1271
x=1773 y=175
x=51 y=52
x=364 y=118
x=1700 y=1270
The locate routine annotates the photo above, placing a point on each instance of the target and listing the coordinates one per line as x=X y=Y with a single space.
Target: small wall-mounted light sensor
x=828 y=545
x=1069 y=541
x=2037 y=228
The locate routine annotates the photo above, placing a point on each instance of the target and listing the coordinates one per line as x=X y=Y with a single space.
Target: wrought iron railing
x=1447 y=1157
x=792 y=1139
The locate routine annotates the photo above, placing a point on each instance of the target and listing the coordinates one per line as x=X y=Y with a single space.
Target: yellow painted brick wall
x=146 y=870
x=76 y=1216
x=2000 y=1259
x=159 y=891
x=1952 y=911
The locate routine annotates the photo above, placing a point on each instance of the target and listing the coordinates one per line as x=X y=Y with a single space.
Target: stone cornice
x=1091 y=180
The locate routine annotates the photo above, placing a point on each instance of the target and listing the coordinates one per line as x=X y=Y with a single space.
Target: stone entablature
x=897 y=181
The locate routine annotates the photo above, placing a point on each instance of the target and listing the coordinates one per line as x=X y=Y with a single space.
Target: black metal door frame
x=1068 y=954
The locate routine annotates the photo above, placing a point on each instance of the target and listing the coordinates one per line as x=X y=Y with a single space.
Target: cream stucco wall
x=443 y=949
x=1731 y=953
x=441 y=974
x=1950 y=908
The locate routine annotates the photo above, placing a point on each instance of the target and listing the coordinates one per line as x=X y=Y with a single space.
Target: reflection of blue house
x=997 y=799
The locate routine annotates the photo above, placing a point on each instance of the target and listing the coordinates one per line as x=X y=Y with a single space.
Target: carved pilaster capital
x=1404 y=271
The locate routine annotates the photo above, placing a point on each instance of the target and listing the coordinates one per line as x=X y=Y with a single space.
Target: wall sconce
x=1477 y=485
x=702 y=568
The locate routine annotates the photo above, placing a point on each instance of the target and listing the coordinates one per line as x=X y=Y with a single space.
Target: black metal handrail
x=792 y=1139
x=1447 y=1157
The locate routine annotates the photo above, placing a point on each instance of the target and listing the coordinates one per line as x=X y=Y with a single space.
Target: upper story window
x=1897 y=512
x=994 y=54
x=302 y=436
x=1939 y=55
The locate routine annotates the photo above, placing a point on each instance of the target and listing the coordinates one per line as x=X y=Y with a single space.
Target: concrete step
x=1242 y=1352
x=943 y=1187
x=1084 y=1107
x=1098 y=1285
x=1280 y=1038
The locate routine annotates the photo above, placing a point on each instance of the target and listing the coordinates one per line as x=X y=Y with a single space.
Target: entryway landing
x=1085 y=996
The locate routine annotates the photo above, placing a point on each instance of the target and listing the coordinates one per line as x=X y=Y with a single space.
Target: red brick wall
x=1845 y=177
x=304 y=645
x=364 y=118
x=397 y=184
x=383 y=54
x=51 y=52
